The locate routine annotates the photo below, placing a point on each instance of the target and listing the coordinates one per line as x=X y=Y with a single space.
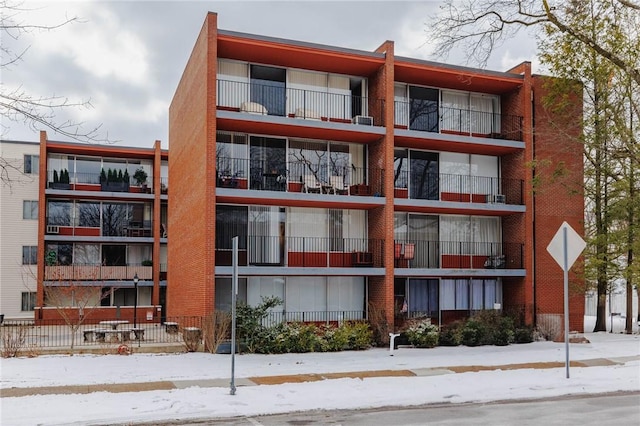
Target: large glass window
x=88 y=170
x=231 y=155
x=268 y=88
x=231 y=221
x=115 y=219
x=59 y=213
x=423 y=109
x=88 y=214
x=114 y=255
x=86 y=254
x=423 y=297
x=59 y=254
x=268 y=163
x=424 y=182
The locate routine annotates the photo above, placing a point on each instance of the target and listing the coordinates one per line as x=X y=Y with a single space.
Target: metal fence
x=107 y=332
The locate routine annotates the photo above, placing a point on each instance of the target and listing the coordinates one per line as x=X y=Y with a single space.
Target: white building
x=18 y=228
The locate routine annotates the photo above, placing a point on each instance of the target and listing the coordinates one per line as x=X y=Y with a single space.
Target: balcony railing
x=458 y=255
x=93 y=182
x=97 y=272
x=318 y=252
x=91 y=226
x=426 y=116
x=265 y=99
x=462 y=188
x=242 y=173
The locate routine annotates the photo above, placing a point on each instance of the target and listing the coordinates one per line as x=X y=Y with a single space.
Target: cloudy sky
x=127 y=57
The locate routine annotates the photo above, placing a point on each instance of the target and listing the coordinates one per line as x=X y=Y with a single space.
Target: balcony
x=94 y=182
x=426 y=116
x=458 y=188
x=458 y=255
x=305 y=177
x=116 y=228
x=97 y=272
x=308 y=252
x=261 y=99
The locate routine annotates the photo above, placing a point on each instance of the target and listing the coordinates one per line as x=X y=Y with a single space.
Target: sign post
x=234 y=293
x=565 y=247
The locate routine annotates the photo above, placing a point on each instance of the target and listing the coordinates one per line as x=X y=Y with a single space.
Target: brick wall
x=191 y=215
x=558 y=197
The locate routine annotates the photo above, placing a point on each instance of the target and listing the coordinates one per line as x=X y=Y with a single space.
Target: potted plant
x=60 y=180
x=147 y=262
x=140 y=176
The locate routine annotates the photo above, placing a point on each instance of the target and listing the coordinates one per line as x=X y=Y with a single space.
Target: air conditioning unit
x=499 y=199
x=363 y=120
x=53 y=229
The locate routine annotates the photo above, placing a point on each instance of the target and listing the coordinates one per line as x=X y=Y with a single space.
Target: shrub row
x=484 y=328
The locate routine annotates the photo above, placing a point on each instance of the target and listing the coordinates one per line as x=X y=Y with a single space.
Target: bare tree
x=481 y=25
x=19 y=106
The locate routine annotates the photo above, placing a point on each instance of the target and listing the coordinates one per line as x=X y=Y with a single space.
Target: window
x=31 y=164
x=29 y=255
x=28 y=300
x=30 y=210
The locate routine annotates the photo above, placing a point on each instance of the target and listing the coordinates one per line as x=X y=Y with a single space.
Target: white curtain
x=448 y=294
x=454 y=173
x=401 y=104
x=264 y=234
x=345 y=294
x=307 y=93
x=455 y=111
x=484 y=172
x=339 y=97
x=481 y=115
x=477 y=291
x=233 y=83
x=485 y=233
x=306 y=294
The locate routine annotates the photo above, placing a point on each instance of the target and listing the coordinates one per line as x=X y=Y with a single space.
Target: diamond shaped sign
x=574 y=242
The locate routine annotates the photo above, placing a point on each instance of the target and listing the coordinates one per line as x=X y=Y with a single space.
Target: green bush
x=335 y=338
x=523 y=335
x=423 y=334
x=451 y=334
x=249 y=321
x=504 y=334
x=359 y=334
x=475 y=333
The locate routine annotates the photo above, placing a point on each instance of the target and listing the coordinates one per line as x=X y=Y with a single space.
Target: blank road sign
x=575 y=245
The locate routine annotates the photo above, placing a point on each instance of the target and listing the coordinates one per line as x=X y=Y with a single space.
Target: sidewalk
x=299 y=378
x=152 y=388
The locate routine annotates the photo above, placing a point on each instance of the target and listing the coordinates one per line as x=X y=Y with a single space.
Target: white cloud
x=100 y=43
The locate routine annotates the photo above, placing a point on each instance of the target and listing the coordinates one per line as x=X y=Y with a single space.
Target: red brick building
x=358 y=178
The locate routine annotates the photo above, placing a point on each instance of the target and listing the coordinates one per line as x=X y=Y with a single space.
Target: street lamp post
x=135 y=301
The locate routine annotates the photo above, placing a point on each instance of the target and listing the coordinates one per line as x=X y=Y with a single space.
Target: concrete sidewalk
x=297 y=378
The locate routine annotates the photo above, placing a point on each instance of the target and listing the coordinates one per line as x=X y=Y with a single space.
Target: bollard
x=392 y=337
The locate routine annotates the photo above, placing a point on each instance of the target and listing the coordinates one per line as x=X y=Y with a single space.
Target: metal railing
x=263 y=99
x=87 y=333
x=94 y=182
x=428 y=116
x=65 y=225
x=318 y=252
x=297 y=176
x=458 y=255
x=462 y=188
x=97 y=272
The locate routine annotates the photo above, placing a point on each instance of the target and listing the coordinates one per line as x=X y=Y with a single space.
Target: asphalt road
x=601 y=410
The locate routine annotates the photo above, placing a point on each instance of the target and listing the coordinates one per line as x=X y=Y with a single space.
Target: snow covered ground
x=346 y=393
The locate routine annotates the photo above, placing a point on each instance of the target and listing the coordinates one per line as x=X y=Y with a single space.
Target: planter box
x=401 y=193
x=59 y=185
x=359 y=189
x=114 y=186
